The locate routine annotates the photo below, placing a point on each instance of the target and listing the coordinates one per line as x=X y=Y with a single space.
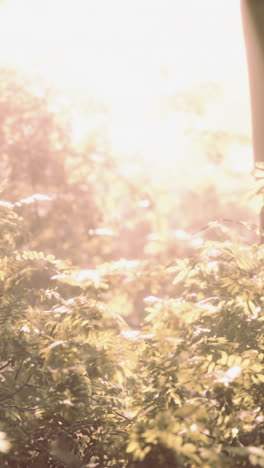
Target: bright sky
x=132 y=54
x=96 y=42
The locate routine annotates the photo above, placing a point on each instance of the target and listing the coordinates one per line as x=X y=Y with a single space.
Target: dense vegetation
x=117 y=363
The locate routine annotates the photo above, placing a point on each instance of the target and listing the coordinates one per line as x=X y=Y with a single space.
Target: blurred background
x=125 y=125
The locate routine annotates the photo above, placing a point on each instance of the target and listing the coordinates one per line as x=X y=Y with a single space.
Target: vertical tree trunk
x=253 y=23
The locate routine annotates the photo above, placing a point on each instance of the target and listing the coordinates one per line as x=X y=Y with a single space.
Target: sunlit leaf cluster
x=81 y=388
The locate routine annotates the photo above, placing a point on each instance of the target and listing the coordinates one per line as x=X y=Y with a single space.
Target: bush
x=79 y=388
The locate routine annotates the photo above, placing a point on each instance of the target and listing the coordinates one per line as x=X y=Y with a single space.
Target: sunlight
x=135 y=57
x=115 y=46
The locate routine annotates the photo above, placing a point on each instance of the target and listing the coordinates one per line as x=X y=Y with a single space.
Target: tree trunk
x=253 y=23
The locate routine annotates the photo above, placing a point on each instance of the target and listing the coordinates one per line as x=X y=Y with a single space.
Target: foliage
x=156 y=360
x=79 y=388
x=56 y=355
x=80 y=202
x=64 y=196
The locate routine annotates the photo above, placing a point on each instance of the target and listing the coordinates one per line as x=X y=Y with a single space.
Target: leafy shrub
x=202 y=364
x=79 y=388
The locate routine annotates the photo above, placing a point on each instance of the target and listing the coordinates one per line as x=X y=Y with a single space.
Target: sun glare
x=134 y=56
